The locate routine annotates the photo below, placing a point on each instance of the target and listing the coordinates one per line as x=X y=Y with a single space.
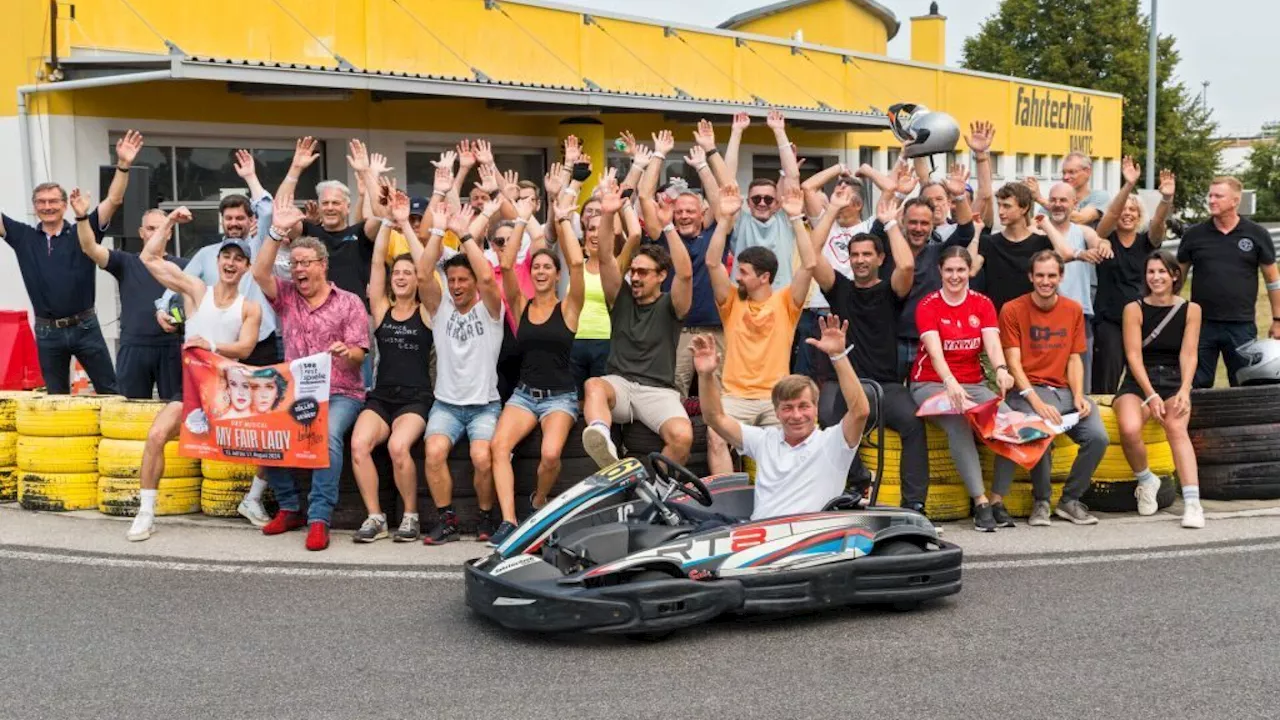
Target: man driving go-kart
x=799 y=468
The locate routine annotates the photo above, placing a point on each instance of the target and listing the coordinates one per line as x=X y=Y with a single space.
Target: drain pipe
x=24 y=135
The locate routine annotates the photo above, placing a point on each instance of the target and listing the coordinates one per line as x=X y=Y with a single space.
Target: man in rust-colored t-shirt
x=1044 y=343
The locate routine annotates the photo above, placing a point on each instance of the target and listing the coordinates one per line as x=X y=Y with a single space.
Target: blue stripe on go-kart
x=532 y=531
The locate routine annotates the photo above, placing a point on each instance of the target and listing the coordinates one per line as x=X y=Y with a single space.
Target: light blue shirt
x=775 y=234
x=204 y=265
x=1079 y=277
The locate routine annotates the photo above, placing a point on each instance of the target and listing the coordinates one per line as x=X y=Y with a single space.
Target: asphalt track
x=1150 y=634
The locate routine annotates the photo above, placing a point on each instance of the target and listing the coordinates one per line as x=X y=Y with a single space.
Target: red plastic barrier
x=19 y=363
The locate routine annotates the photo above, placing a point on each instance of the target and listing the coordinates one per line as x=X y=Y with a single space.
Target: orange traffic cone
x=80 y=384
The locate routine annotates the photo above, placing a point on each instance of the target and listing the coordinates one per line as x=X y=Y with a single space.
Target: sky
x=1233 y=48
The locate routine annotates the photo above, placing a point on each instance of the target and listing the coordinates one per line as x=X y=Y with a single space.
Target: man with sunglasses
x=761 y=223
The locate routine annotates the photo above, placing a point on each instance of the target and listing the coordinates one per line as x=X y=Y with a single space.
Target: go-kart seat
x=642 y=536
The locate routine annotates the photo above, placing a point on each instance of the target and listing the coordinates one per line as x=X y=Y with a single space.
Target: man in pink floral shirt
x=315 y=316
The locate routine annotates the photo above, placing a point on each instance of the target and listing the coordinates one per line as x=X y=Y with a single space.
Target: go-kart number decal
x=625 y=466
x=743 y=539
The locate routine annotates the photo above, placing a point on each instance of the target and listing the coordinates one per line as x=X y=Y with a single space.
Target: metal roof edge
x=887 y=16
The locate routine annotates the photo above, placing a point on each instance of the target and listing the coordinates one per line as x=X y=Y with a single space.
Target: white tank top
x=219 y=326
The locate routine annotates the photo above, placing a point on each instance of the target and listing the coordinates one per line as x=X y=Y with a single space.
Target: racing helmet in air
x=1263 y=358
x=922 y=131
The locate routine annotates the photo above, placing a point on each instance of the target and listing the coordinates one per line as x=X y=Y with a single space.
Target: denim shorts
x=566 y=402
x=452 y=421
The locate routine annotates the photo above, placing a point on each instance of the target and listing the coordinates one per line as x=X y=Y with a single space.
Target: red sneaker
x=318 y=536
x=283 y=522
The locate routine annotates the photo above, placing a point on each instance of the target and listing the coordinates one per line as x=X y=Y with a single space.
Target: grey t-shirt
x=1096 y=198
x=643 y=340
x=775 y=234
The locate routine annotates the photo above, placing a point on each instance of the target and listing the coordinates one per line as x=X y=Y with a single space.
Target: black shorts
x=264 y=353
x=1165 y=380
x=390 y=404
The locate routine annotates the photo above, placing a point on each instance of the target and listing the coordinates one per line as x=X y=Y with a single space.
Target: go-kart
x=633 y=552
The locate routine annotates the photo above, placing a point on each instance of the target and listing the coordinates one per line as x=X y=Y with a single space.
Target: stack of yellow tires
x=1113 y=481
x=57 y=451
x=1018 y=502
x=225 y=485
x=124 y=431
x=946 y=499
x=9 y=445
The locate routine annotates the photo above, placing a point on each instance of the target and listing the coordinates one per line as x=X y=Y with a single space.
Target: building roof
x=886 y=15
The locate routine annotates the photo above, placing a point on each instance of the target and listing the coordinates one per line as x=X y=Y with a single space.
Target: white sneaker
x=1146 y=493
x=1193 y=516
x=143 y=525
x=253 y=511
x=599 y=445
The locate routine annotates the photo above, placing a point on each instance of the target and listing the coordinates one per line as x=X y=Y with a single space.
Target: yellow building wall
x=836 y=23
x=620 y=55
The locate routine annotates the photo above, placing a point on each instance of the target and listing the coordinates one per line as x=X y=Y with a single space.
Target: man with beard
x=759 y=321
x=1079 y=277
x=1043 y=335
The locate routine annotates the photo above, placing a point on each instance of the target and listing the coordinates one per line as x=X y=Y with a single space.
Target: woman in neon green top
x=591 y=343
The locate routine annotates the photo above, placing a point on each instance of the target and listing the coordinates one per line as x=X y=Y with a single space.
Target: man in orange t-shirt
x=759 y=322
x=1044 y=343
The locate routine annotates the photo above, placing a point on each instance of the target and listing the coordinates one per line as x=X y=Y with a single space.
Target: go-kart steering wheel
x=680 y=476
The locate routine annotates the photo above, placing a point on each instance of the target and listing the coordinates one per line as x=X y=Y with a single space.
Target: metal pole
x=1152 y=44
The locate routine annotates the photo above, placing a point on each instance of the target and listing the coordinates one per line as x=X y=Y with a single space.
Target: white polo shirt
x=800 y=479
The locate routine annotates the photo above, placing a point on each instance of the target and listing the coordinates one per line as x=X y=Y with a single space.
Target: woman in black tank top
x=546 y=395
x=1161 y=335
x=396 y=410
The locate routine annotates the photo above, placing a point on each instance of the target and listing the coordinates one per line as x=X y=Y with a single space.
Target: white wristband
x=891 y=225
x=437 y=232
x=213 y=346
x=796 y=218
x=959 y=198
x=1273 y=286
x=669 y=227
x=700 y=167
x=900 y=196
x=660 y=155
x=291 y=178
x=1026 y=393
x=1153 y=397
x=388 y=222
x=837 y=356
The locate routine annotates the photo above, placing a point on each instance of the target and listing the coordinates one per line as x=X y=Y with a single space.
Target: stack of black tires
x=1236 y=436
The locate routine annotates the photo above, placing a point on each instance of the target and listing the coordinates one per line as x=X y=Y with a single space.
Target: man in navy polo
x=61 y=280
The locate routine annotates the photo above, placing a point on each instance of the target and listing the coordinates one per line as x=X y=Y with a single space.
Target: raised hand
x=1168 y=184
x=705 y=358
x=665 y=209
x=628 y=142
x=491 y=208
x=311 y=211
x=447 y=159
x=439 y=215
x=1130 y=170
x=79 y=202
x=642 y=156
x=980 y=136
x=887 y=208
x=776 y=120
x=553 y=181
x=705 y=135
x=524 y=208
x=730 y=202
x=832 y=333
x=566 y=204
x=443 y=179
x=180 y=215
x=957 y=180
x=285 y=215
x=357 y=156
x=843 y=197
x=510 y=182
x=305 y=153
x=466 y=154
x=663 y=141
x=400 y=207
x=572 y=149
x=127 y=148
x=484 y=153
x=489 y=179
x=1033 y=185
x=741 y=121
x=244 y=164
x=610 y=199
x=793 y=200
x=378 y=164
x=697 y=157
x=460 y=222
x=905 y=180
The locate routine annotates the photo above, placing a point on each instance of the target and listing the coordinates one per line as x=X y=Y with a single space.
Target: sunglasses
x=640 y=272
x=761 y=199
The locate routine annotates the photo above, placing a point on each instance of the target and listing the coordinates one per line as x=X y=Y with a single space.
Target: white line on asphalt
x=1120 y=557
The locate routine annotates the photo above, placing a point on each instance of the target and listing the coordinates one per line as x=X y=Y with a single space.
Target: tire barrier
x=1237 y=442
x=8 y=484
x=57 y=492
x=8 y=448
x=1115 y=467
x=1064 y=455
x=1117 y=495
x=221 y=498
x=60 y=415
x=67 y=455
x=129 y=419
x=218 y=470
x=123 y=459
x=1152 y=432
x=943 y=502
x=1019 y=501
x=174 y=496
x=9 y=408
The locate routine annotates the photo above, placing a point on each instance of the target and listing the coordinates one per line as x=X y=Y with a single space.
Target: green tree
x=1263 y=175
x=1103 y=46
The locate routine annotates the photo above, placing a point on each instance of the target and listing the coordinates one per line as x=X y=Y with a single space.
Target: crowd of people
x=466 y=314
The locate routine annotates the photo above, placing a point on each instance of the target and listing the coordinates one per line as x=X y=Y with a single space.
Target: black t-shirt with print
x=1225 y=266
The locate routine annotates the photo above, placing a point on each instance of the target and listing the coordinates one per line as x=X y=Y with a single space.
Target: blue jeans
x=907 y=350
x=566 y=403
x=56 y=347
x=324 y=482
x=1221 y=338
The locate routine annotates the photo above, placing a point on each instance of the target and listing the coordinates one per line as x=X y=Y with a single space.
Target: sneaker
x=1146 y=494
x=1039 y=514
x=502 y=533
x=444 y=531
x=916 y=506
x=1076 y=512
x=371 y=530
x=284 y=521
x=533 y=502
x=983 y=520
x=253 y=511
x=1001 y=516
x=144 y=523
x=598 y=444
x=409 y=531
x=1192 y=516
x=485 y=527
x=318 y=536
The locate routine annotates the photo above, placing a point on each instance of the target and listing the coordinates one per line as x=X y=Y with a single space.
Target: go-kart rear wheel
x=899 y=547
x=648 y=576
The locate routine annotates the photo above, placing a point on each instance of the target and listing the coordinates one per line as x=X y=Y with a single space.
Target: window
x=1041 y=170
x=997 y=164
x=892 y=158
x=952 y=160
x=1023 y=166
x=200 y=176
x=530 y=163
x=867 y=156
x=1057 y=166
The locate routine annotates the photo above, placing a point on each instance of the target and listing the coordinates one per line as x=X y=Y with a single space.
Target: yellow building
x=411 y=77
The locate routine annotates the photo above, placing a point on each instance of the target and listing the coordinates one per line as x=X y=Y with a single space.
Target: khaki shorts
x=650 y=406
x=684 y=356
x=756 y=413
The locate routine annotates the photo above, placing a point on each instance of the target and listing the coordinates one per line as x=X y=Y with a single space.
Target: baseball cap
x=418 y=206
x=242 y=245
